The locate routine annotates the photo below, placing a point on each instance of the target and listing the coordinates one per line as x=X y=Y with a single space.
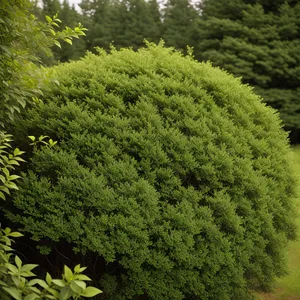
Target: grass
x=288 y=287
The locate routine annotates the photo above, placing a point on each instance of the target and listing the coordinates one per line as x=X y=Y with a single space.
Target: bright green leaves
x=21 y=78
x=14 y=277
x=41 y=140
x=66 y=34
x=8 y=161
x=73 y=284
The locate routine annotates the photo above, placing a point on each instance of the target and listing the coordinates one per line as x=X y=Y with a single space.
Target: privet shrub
x=171 y=170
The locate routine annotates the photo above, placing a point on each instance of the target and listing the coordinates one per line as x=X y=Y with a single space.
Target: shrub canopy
x=171 y=170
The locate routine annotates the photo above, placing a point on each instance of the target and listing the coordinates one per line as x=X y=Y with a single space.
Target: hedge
x=170 y=170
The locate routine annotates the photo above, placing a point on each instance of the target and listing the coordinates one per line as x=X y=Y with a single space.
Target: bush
x=172 y=171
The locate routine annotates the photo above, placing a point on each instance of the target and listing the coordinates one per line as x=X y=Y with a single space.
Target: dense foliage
x=16 y=278
x=260 y=41
x=255 y=39
x=22 y=39
x=171 y=171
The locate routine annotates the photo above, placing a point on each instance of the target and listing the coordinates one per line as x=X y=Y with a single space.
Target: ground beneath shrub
x=279 y=294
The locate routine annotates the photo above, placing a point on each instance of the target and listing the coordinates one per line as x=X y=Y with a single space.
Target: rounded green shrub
x=170 y=170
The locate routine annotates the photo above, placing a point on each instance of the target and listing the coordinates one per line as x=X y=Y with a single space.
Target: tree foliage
x=259 y=41
x=19 y=83
x=22 y=39
x=170 y=170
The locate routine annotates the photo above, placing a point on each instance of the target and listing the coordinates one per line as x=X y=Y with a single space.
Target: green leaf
x=2 y=178
x=76 y=287
x=65 y=293
x=82 y=277
x=18 y=261
x=48 y=278
x=91 y=292
x=49 y=20
x=68 y=40
x=54 y=292
x=5 y=189
x=15 y=234
x=42 y=137
x=13 y=177
x=32 y=137
x=12 y=268
x=59 y=282
x=34 y=289
x=6 y=172
x=57 y=43
x=82 y=269
x=18 y=152
x=11 y=185
x=13 y=162
x=7 y=230
x=40 y=282
x=28 y=267
x=81 y=284
x=31 y=296
x=15 y=293
x=2 y=196
x=68 y=273
x=77 y=268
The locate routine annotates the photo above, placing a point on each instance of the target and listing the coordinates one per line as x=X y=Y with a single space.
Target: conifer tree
x=139 y=23
x=179 y=19
x=102 y=17
x=258 y=41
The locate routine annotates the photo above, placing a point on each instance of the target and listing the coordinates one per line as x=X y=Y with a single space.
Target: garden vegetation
x=171 y=171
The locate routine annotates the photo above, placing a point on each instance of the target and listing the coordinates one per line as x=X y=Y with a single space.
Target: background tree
x=259 y=41
x=140 y=24
x=123 y=23
x=178 y=23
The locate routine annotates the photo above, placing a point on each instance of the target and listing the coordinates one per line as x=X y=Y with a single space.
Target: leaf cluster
x=15 y=277
x=8 y=161
x=23 y=38
x=13 y=273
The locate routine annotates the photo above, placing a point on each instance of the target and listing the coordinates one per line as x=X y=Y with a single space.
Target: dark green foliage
x=172 y=171
x=259 y=41
x=179 y=20
x=124 y=23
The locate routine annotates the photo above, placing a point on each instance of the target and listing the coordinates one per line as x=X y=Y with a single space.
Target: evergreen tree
x=103 y=20
x=259 y=41
x=51 y=7
x=179 y=20
x=124 y=23
x=139 y=23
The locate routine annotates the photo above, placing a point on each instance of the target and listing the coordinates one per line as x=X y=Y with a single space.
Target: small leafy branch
x=14 y=277
x=22 y=79
x=41 y=140
x=8 y=161
x=67 y=34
